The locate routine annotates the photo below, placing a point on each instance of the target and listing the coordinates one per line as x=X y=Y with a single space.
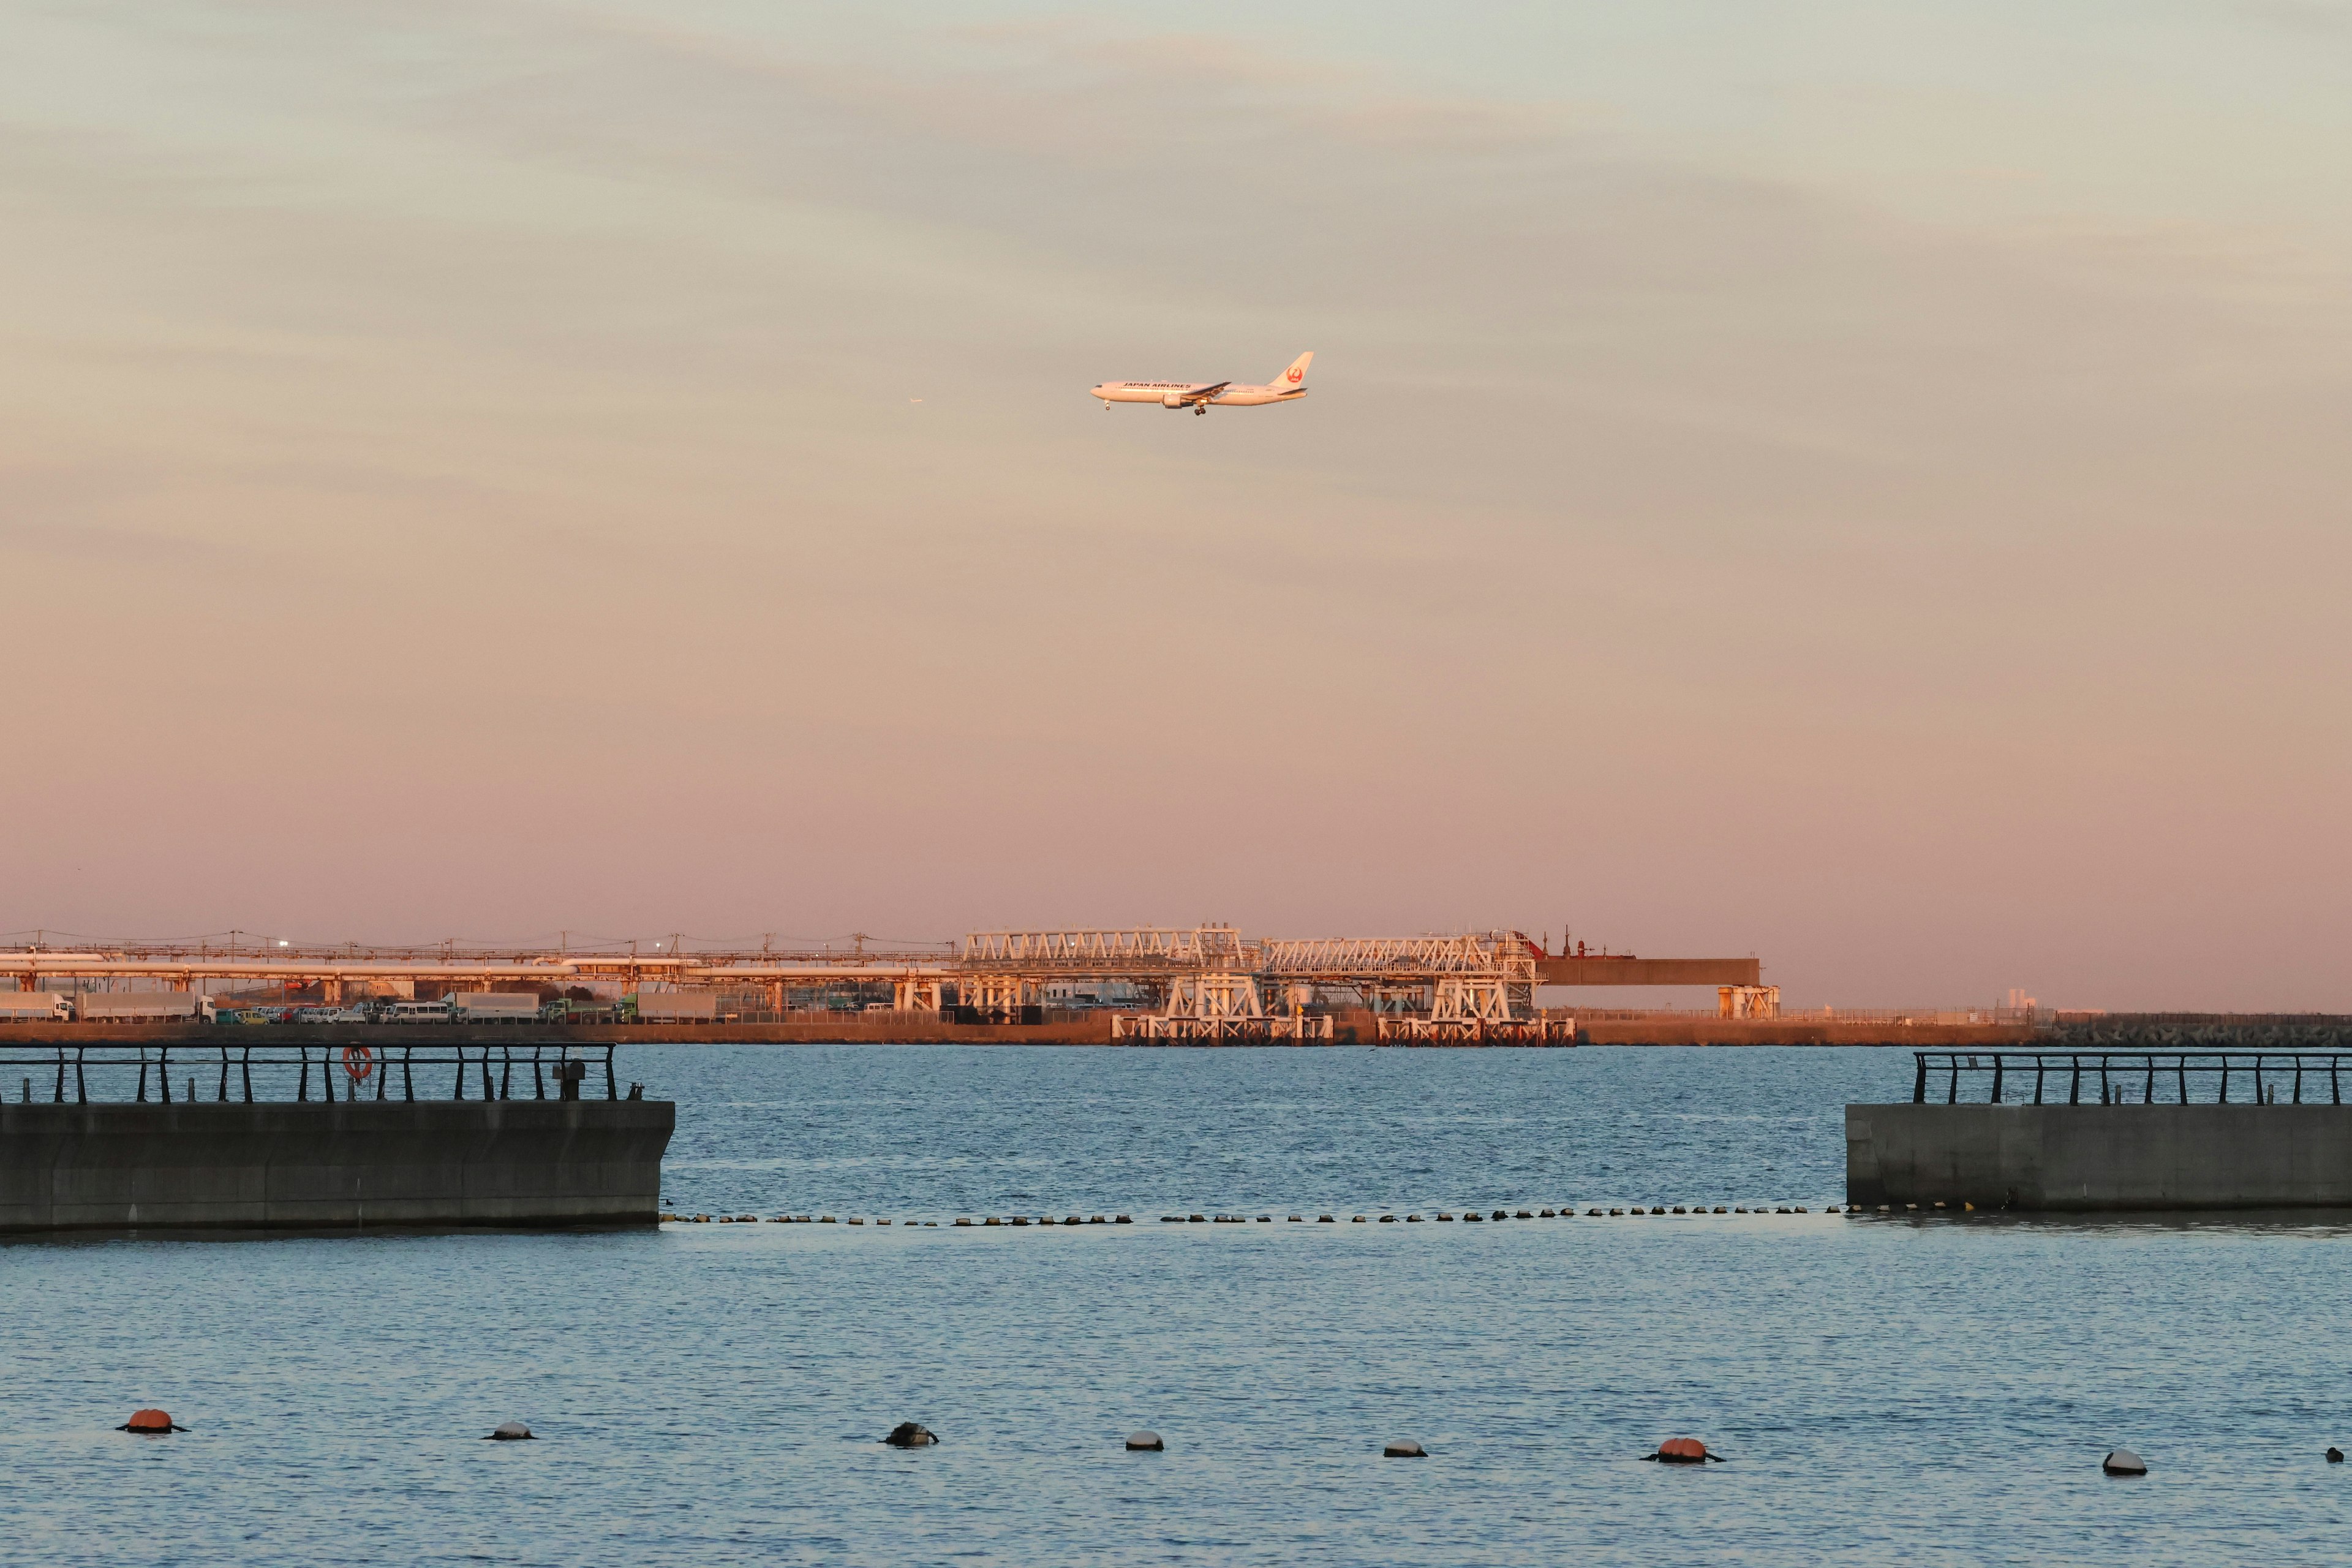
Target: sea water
x=1913 y=1388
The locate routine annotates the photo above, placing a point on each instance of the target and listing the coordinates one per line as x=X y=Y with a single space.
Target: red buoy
x=149 y=1421
x=1682 y=1451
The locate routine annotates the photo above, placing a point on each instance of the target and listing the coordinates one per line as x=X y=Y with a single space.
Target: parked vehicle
x=332 y=1016
x=136 y=1006
x=674 y=1006
x=419 y=1012
x=35 y=1007
x=495 y=1006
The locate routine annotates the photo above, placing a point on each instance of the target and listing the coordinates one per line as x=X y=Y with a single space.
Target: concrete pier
x=2094 y=1157
x=518 y=1162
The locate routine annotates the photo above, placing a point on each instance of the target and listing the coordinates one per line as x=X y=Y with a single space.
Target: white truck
x=494 y=1006
x=139 y=1007
x=675 y=1006
x=35 y=1007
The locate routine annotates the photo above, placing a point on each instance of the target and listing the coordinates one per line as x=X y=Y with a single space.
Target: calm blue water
x=1888 y=1390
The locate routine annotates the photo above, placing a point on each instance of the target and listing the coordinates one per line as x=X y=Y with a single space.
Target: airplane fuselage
x=1187 y=393
x=1197 y=396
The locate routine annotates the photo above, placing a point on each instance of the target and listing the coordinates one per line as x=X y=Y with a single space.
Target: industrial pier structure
x=1204 y=982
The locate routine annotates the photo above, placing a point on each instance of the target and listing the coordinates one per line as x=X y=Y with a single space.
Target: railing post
x=59 y=1097
x=81 y=1084
x=2181 y=1063
x=2074 y=1093
x=461 y=1092
x=537 y=1081
x=1919 y=1086
x=1952 y=1094
x=143 y=1075
x=244 y=1065
x=224 y=1082
x=407 y=1074
x=2000 y=1062
x=2037 y=1077
x=2335 y=1086
x=2298 y=1078
x=506 y=1073
x=612 y=1089
x=486 y=1073
x=2224 y=1097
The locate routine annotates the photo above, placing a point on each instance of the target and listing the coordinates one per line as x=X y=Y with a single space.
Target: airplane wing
x=1202 y=393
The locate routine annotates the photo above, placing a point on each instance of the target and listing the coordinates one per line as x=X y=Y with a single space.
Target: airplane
x=1288 y=387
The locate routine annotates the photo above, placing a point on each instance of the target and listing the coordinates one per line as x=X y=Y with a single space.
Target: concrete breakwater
x=2101 y=1157
x=515 y=1162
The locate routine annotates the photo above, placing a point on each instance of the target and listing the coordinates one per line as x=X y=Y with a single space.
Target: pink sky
x=1849 y=489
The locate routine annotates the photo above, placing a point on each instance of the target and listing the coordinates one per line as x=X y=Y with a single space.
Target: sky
x=1858 y=485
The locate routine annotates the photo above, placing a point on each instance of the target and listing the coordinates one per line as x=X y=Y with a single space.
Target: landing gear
x=1106 y=405
x=1199 y=409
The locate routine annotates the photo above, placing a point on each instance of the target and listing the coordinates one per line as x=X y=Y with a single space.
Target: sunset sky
x=1863 y=486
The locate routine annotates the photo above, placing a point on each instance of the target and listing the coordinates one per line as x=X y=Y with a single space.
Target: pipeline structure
x=1206 y=983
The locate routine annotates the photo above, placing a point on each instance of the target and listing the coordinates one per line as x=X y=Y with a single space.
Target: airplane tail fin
x=1296 y=376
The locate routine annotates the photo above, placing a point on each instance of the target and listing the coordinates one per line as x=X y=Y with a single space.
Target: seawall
x=2094 y=1157
x=339 y=1166
x=1347 y=1029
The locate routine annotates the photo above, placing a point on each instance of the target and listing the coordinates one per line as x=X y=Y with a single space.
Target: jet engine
x=1172 y=400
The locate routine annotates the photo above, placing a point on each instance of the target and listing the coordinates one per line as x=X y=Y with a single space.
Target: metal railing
x=229 y=1069
x=2127 y=1078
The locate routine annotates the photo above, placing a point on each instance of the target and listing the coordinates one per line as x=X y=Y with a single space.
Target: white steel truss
x=1131 y=950
x=1472 y=999
x=1413 y=1031
x=1006 y=994
x=915 y=995
x=1215 y=996
x=1337 y=960
x=1160 y=1026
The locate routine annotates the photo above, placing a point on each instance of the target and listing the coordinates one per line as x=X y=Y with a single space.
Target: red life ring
x=360 y=1062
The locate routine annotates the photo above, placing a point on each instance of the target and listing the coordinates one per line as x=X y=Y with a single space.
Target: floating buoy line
x=153 y=1422
x=1439 y=1217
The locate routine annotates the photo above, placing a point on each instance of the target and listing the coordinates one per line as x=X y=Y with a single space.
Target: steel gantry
x=1470 y=985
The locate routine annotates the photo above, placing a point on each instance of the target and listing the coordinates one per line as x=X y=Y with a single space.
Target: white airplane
x=1288 y=387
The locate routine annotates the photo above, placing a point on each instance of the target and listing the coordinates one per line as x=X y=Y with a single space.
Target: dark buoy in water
x=2335 y=1456
x=149 y=1423
x=1684 y=1451
x=508 y=1432
x=2124 y=1462
x=1404 y=1448
x=910 y=1435
x=1144 y=1443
